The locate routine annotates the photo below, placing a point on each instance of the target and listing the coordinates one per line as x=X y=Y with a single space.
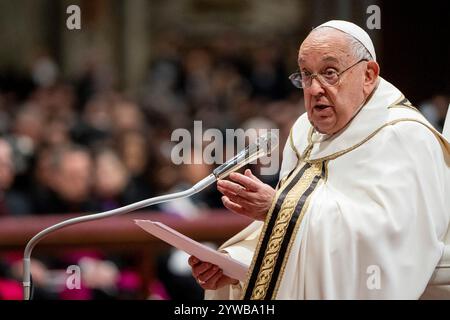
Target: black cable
x=31 y=287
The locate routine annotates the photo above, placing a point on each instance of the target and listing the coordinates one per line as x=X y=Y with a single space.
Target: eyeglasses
x=327 y=78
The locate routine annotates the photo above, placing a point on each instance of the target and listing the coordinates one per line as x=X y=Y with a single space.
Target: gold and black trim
x=308 y=149
x=369 y=137
x=291 y=141
x=288 y=209
x=297 y=227
x=403 y=103
x=269 y=223
x=279 y=231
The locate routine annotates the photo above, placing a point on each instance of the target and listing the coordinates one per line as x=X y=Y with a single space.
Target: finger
x=231 y=204
x=232 y=190
x=206 y=276
x=212 y=283
x=222 y=281
x=250 y=174
x=201 y=268
x=193 y=261
x=229 y=186
x=234 y=207
x=228 y=193
x=245 y=203
x=247 y=182
x=242 y=193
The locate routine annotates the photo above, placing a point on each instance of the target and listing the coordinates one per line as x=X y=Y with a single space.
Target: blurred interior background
x=86 y=116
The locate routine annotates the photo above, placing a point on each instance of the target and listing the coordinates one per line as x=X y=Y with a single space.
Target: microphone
x=264 y=145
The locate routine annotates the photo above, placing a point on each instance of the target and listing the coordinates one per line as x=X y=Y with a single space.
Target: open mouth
x=321 y=106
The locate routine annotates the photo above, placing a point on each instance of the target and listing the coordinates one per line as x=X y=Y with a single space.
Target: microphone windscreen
x=263 y=145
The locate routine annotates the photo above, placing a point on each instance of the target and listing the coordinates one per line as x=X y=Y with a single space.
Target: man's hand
x=249 y=196
x=209 y=276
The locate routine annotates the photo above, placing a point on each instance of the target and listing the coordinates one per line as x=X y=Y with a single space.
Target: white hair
x=357 y=48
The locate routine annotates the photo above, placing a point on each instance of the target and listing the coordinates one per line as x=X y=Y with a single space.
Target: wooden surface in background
x=116 y=235
x=116 y=232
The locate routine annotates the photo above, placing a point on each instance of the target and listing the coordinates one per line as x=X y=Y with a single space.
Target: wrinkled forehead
x=325 y=44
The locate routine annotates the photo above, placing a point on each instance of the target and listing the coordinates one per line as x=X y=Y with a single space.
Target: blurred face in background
x=97 y=113
x=134 y=152
x=43 y=171
x=30 y=124
x=127 y=116
x=73 y=178
x=111 y=176
x=6 y=166
x=56 y=133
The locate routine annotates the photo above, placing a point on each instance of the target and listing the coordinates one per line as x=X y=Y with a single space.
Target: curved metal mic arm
x=264 y=145
x=135 y=206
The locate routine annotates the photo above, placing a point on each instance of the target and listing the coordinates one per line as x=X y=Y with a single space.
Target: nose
x=316 y=87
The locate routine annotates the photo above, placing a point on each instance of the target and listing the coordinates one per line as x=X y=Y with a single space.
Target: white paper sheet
x=232 y=268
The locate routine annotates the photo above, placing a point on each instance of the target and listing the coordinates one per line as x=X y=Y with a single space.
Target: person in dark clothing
x=70 y=184
x=12 y=202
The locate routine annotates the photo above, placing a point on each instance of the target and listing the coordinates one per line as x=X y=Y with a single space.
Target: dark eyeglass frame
x=297 y=79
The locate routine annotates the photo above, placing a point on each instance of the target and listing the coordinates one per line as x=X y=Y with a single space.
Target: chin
x=324 y=128
x=324 y=131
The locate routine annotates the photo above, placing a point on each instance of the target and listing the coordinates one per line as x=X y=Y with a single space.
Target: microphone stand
x=119 y=211
x=264 y=145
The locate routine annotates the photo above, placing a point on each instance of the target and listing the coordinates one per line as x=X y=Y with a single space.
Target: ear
x=371 y=76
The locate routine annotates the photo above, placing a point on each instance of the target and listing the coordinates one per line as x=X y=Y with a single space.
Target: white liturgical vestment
x=362 y=214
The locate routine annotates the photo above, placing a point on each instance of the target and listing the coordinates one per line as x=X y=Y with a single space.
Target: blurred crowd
x=82 y=145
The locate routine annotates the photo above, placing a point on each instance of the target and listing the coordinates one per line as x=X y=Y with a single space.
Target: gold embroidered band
x=281 y=224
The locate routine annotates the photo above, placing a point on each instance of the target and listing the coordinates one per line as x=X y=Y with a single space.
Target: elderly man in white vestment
x=362 y=207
